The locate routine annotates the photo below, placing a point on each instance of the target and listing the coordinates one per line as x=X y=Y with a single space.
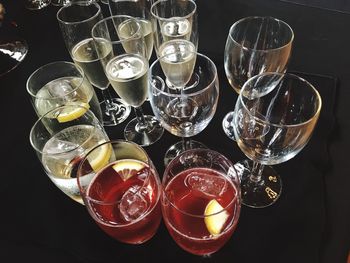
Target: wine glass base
x=178 y=148
x=227 y=125
x=144 y=136
x=116 y=113
x=59 y=2
x=12 y=53
x=36 y=4
x=258 y=194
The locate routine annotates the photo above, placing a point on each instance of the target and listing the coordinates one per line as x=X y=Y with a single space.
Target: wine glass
x=201 y=200
x=275 y=116
x=76 y=20
x=123 y=194
x=13 y=48
x=61 y=138
x=127 y=70
x=254 y=45
x=36 y=4
x=139 y=9
x=61 y=83
x=187 y=113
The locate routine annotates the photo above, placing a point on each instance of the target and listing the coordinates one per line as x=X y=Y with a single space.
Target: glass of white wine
x=61 y=83
x=139 y=9
x=76 y=20
x=127 y=70
x=254 y=45
x=61 y=138
x=188 y=112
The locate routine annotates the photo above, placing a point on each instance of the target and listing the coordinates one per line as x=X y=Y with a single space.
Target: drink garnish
x=100 y=156
x=127 y=168
x=72 y=113
x=215 y=217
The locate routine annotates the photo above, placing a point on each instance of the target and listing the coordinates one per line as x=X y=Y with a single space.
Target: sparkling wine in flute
x=177 y=60
x=86 y=56
x=178 y=28
x=126 y=30
x=128 y=74
x=66 y=90
x=63 y=153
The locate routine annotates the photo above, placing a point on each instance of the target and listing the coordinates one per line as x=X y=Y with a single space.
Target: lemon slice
x=72 y=113
x=215 y=222
x=99 y=157
x=127 y=168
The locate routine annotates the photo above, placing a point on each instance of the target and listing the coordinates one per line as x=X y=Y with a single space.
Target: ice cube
x=133 y=205
x=59 y=87
x=55 y=146
x=207 y=185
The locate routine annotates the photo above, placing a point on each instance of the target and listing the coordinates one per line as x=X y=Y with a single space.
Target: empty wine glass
x=76 y=20
x=36 y=4
x=187 y=113
x=61 y=138
x=275 y=116
x=127 y=70
x=255 y=45
x=139 y=9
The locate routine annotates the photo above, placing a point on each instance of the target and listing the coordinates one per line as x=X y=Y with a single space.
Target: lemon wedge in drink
x=72 y=113
x=127 y=168
x=99 y=157
x=215 y=222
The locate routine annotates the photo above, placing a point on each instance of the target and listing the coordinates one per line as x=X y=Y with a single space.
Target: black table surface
x=309 y=223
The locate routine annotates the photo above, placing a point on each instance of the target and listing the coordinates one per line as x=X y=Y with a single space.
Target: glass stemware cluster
x=202 y=191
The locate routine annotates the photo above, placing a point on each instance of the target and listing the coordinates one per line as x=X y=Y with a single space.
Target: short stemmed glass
x=61 y=83
x=275 y=116
x=122 y=194
x=61 y=138
x=76 y=20
x=254 y=45
x=201 y=200
x=127 y=70
x=139 y=9
x=188 y=112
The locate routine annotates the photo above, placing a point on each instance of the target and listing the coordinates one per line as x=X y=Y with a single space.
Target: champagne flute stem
x=185 y=143
x=141 y=121
x=256 y=172
x=108 y=99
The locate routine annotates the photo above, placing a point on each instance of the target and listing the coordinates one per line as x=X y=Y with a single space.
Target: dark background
x=310 y=222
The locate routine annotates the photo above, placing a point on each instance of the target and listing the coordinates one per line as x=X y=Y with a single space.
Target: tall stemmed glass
x=76 y=21
x=275 y=116
x=127 y=70
x=188 y=112
x=139 y=9
x=255 y=45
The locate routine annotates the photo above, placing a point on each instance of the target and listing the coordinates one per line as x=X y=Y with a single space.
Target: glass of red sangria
x=122 y=191
x=201 y=200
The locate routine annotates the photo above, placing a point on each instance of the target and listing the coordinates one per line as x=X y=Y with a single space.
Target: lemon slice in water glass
x=215 y=217
x=72 y=113
x=99 y=157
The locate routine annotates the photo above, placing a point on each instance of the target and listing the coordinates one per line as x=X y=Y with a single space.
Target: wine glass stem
x=256 y=172
x=108 y=99
x=185 y=143
x=142 y=124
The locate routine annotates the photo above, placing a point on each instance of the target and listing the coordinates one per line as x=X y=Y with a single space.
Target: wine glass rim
x=261 y=17
x=57 y=111
x=237 y=196
x=135 y=35
x=291 y=76
x=173 y=18
x=80 y=3
x=83 y=78
x=209 y=85
x=99 y=202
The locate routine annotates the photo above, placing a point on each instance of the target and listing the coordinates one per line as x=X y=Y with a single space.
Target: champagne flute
x=275 y=116
x=76 y=21
x=139 y=9
x=127 y=70
x=254 y=45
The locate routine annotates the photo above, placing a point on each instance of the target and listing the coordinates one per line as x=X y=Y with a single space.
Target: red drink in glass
x=200 y=206
x=124 y=201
